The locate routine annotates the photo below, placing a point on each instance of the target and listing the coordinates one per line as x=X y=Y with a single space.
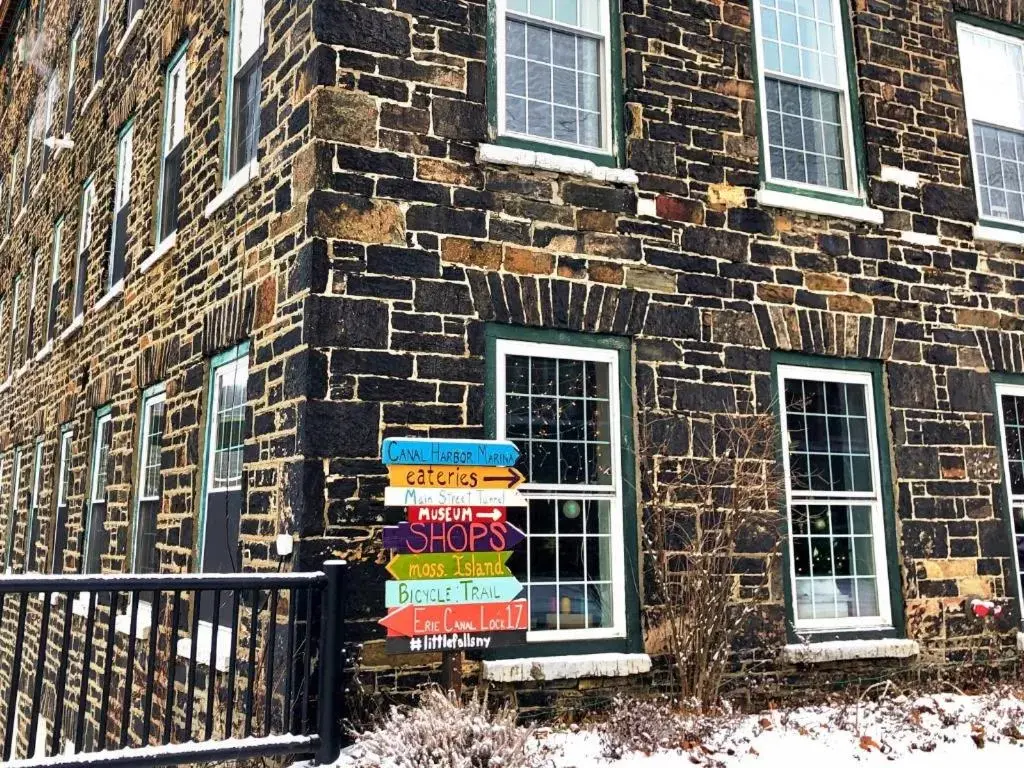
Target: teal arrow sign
x=452 y=591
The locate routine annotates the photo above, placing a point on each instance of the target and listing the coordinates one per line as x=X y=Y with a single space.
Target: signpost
x=453 y=590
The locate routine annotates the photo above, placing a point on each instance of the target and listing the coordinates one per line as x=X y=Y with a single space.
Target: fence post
x=331 y=624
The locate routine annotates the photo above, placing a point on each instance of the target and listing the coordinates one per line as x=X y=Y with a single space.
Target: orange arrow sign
x=415 y=620
x=439 y=476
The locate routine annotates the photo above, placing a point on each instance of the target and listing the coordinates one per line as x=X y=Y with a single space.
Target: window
x=53 y=295
x=132 y=8
x=554 y=61
x=839 y=571
x=12 y=518
x=3 y=311
x=15 y=303
x=69 y=108
x=122 y=207
x=1010 y=402
x=150 y=483
x=563 y=405
x=84 y=241
x=806 y=124
x=96 y=537
x=60 y=524
x=48 y=107
x=26 y=184
x=32 y=528
x=243 y=95
x=15 y=170
x=173 y=148
x=30 y=331
x=102 y=41
x=993 y=76
x=5 y=223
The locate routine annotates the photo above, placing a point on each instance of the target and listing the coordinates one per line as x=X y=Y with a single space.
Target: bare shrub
x=705 y=513
x=648 y=725
x=443 y=732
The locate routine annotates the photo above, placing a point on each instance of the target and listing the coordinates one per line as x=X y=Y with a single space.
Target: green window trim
x=633 y=640
x=897 y=610
x=228 y=357
x=180 y=52
x=105 y=412
x=148 y=395
x=612 y=157
x=33 y=506
x=858 y=194
x=1003 y=503
x=12 y=507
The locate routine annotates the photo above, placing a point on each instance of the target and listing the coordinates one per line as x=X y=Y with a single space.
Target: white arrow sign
x=443 y=497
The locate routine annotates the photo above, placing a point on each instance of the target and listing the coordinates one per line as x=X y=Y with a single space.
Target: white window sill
x=115 y=290
x=75 y=325
x=546 y=161
x=6 y=385
x=1020 y=642
x=901 y=176
x=128 y=33
x=143 y=621
x=921 y=238
x=46 y=350
x=168 y=244
x=204 y=641
x=21 y=215
x=998 y=235
x=566 y=667
x=232 y=187
x=848 y=650
x=772 y=198
x=96 y=88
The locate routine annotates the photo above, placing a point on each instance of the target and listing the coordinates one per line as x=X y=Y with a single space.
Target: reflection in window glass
x=1011 y=412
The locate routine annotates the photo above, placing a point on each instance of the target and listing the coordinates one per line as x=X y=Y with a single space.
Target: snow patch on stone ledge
x=848 y=650
x=566 y=667
x=545 y=161
x=901 y=176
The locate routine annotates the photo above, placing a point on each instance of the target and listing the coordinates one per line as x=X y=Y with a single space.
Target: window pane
x=999 y=161
x=806 y=35
x=1013 y=435
x=228 y=432
x=805 y=133
x=245 y=116
x=558 y=72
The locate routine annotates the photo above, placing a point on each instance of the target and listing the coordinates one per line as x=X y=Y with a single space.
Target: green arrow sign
x=450 y=565
x=437 y=592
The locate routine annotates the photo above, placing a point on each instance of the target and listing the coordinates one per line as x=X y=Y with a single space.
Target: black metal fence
x=166 y=669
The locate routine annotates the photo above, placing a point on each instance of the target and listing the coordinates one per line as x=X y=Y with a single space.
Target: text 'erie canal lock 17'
x=452 y=590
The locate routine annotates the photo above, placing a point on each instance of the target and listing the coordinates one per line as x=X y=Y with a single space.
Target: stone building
x=245 y=242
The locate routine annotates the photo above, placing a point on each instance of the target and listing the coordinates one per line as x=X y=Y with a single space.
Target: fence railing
x=167 y=669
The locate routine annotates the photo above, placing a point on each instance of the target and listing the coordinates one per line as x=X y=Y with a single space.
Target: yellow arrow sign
x=431 y=476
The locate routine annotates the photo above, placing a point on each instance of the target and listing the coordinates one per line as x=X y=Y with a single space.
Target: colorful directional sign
x=450 y=565
x=455 y=514
x=414 y=620
x=429 y=476
x=421 y=538
x=445 y=497
x=462 y=641
x=451 y=591
x=477 y=453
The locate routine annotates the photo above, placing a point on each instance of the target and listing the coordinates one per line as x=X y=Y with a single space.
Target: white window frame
x=31 y=329
x=85 y=221
x=608 y=137
x=26 y=190
x=874 y=499
x=179 y=67
x=977 y=29
x=1013 y=390
x=49 y=105
x=153 y=397
x=58 y=242
x=853 y=190
x=15 y=318
x=103 y=417
x=232 y=183
x=67 y=434
x=76 y=38
x=12 y=509
x=122 y=197
x=611 y=494
x=33 y=510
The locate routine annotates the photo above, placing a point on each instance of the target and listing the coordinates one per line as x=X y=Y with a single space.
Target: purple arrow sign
x=420 y=538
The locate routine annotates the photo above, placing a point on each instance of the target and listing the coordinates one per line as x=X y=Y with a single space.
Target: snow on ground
x=926 y=732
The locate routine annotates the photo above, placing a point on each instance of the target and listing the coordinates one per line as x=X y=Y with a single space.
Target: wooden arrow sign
x=431 y=476
x=476 y=453
x=455 y=514
x=416 y=620
x=421 y=538
x=462 y=641
x=444 y=497
x=477 y=565
x=451 y=591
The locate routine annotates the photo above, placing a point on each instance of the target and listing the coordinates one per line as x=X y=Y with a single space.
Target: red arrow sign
x=455 y=514
x=416 y=620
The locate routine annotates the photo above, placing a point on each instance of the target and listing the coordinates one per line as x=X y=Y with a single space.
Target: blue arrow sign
x=473 y=453
x=451 y=591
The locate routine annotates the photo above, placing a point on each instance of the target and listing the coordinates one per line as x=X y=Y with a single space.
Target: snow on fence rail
x=120 y=669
